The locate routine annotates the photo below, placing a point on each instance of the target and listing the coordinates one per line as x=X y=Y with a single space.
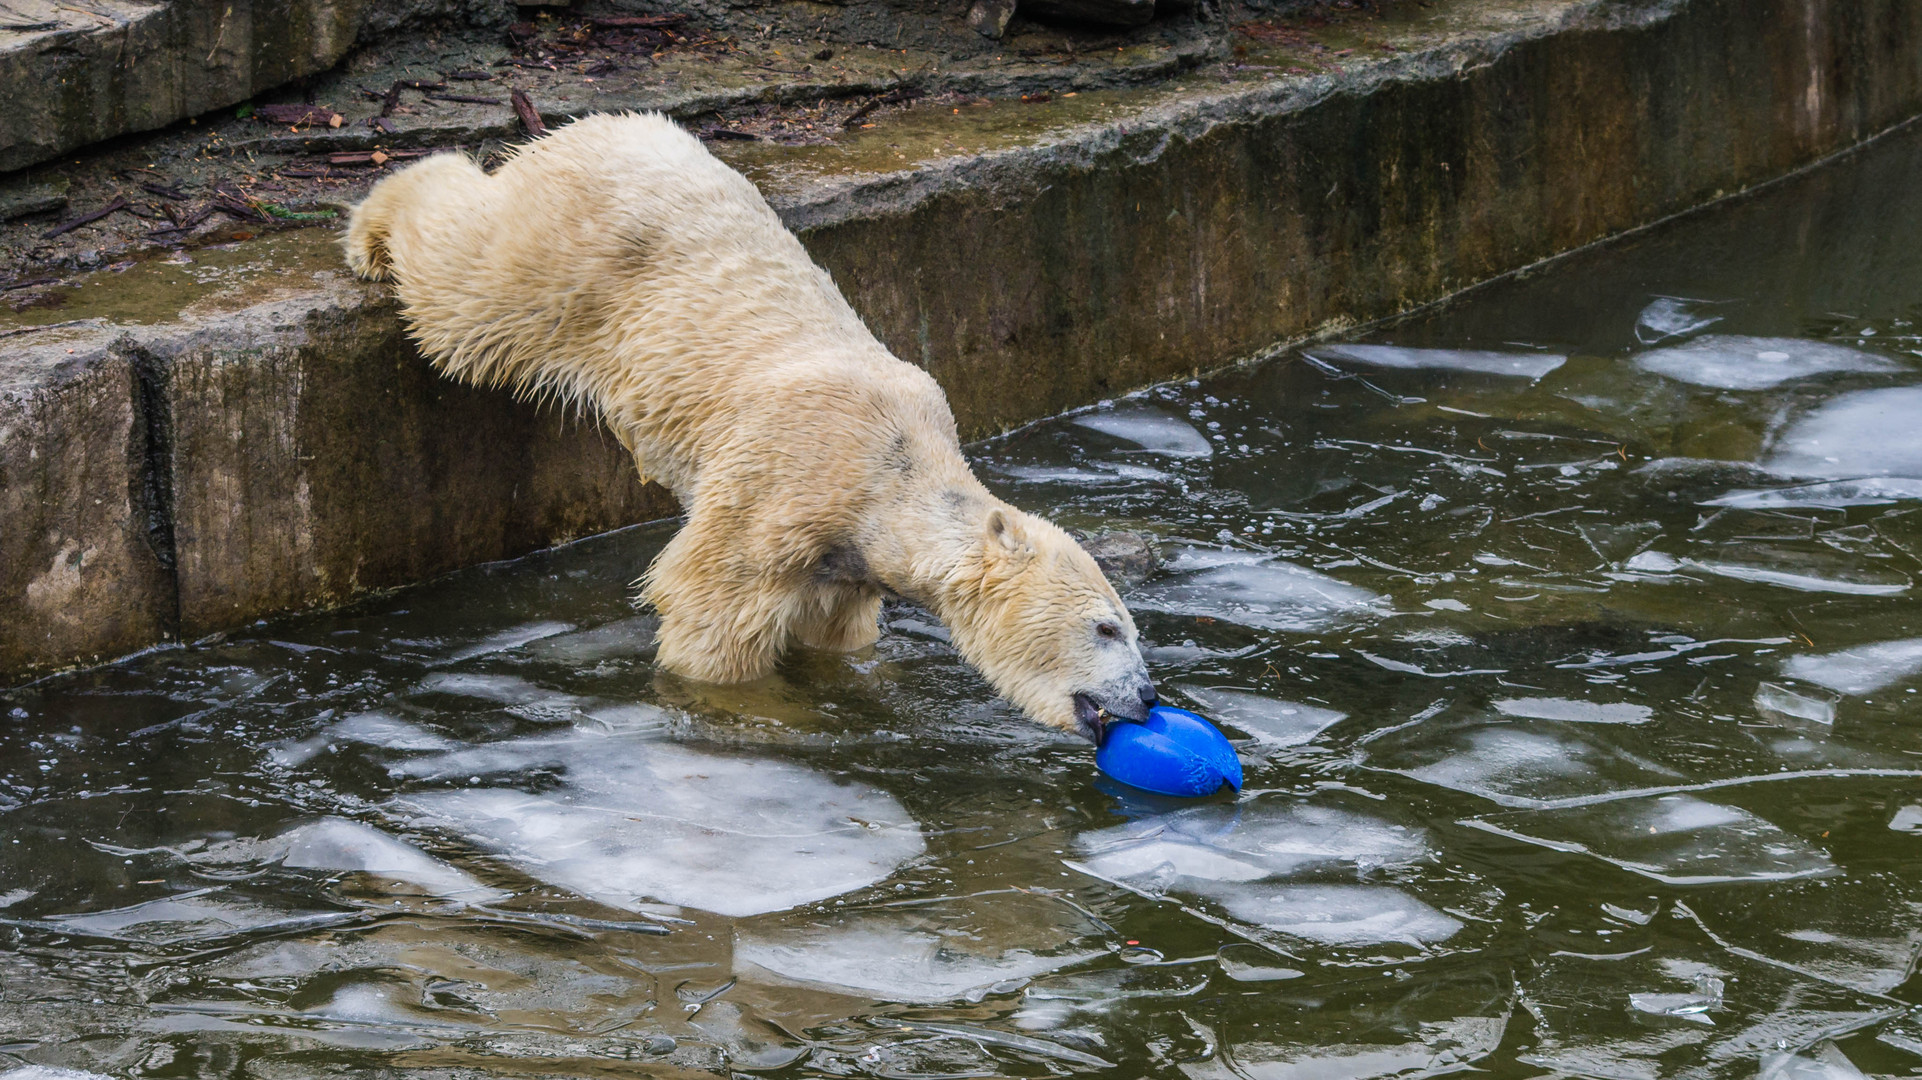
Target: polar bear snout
x=1094 y=711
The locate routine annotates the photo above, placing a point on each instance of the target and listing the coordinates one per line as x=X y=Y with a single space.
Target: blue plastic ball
x=1173 y=752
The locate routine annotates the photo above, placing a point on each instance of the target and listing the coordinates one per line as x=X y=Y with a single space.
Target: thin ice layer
x=1250 y=590
x=1519 y=365
x=1677 y=839
x=1154 y=432
x=1271 y=721
x=1731 y=362
x=1575 y=711
x=626 y=820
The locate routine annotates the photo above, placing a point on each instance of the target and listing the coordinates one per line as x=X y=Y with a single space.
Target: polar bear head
x=1032 y=611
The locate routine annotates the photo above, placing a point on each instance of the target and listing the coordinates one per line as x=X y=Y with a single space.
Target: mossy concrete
x=261 y=438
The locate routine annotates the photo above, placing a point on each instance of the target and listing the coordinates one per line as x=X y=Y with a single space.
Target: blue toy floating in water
x=1173 y=752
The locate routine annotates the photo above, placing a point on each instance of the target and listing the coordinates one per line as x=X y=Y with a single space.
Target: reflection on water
x=1569 y=636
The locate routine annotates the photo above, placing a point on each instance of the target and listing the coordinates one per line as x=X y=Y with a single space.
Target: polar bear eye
x=1108 y=630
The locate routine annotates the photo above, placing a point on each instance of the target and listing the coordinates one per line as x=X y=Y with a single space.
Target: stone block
x=83 y=571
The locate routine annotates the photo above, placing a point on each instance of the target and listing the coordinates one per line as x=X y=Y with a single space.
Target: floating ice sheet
x=1250 y=590
x=1573 y=711
x=901 y=958
x=1335 y=914
x=1101 y=475
x=1874 y=491
x=1271 y=721
x=632 y=820
x=1520 y=365
x=1694 y=1005
x=1825 y=1062
x=1671 y=317
x=623 y=637
x=1860 y=434
x=1154 y=432
x=1440 y=1047
x=377 y=729
x=1845 y=578
x=1268 y=836
x=1776 y=700
x=192 y=916
x=1728 y=362
x=511 y=638
x=339 y=844
x=1677 y=839
x=1516 y=765
x=1861 y=669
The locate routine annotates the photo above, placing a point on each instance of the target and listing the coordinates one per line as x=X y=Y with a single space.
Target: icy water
x=1570 y=636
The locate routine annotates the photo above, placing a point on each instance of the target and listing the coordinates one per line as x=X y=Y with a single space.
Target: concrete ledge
x=301 y=452
x=71 y=76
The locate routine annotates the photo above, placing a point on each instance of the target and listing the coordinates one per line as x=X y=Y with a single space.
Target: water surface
x=1570 y=636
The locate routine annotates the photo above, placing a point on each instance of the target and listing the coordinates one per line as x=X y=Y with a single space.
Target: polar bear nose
x=1146 y=691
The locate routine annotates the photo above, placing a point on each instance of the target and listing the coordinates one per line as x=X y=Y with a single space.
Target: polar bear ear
x=1005 y=533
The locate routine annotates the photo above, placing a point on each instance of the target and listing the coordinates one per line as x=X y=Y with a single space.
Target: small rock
x=989 y=18
x=20 y=199
x=1127 y=558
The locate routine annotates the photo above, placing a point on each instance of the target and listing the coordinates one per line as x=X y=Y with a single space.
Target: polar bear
x=616 y=265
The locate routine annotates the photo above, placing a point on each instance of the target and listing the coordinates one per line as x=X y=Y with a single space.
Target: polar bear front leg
x=720 y=621
x=839 y=619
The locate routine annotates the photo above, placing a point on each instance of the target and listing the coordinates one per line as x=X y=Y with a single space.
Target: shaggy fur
x=616 y=264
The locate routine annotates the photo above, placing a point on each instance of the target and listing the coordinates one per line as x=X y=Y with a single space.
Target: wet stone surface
x=1578 y=702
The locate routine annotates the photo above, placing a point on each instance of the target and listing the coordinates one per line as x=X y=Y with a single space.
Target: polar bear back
x=616 y=263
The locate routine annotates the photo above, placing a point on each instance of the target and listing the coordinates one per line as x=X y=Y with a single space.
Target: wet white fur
x=616 y=264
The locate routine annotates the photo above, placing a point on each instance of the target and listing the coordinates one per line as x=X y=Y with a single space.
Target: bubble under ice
x=1520 y=365
x=1154 y=432
x=634 y=820
x=1729 y=362
x=1250 y=590
x=1271 y=721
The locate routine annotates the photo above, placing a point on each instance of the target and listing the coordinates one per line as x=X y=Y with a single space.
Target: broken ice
x=1753 y=363
x=1693 y=1006
x=1521 y=365
x=1860 y=669
x=1272 y=722
x=1774 y=699
x=1154 y=432
x=1670 y=317
x=1579 y=712
x=1825 y=1062
x=1250 y=590
x=1677 y=839
x=1252 y=963
x=632 y=820
x=1101 y=475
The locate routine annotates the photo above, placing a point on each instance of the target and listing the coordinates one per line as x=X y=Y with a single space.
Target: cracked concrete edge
x=316 y=456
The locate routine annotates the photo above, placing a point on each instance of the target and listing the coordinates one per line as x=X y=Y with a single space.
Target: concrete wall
x=177 y=478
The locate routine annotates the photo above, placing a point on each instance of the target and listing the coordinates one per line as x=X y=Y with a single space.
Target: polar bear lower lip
x=1091 y=718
